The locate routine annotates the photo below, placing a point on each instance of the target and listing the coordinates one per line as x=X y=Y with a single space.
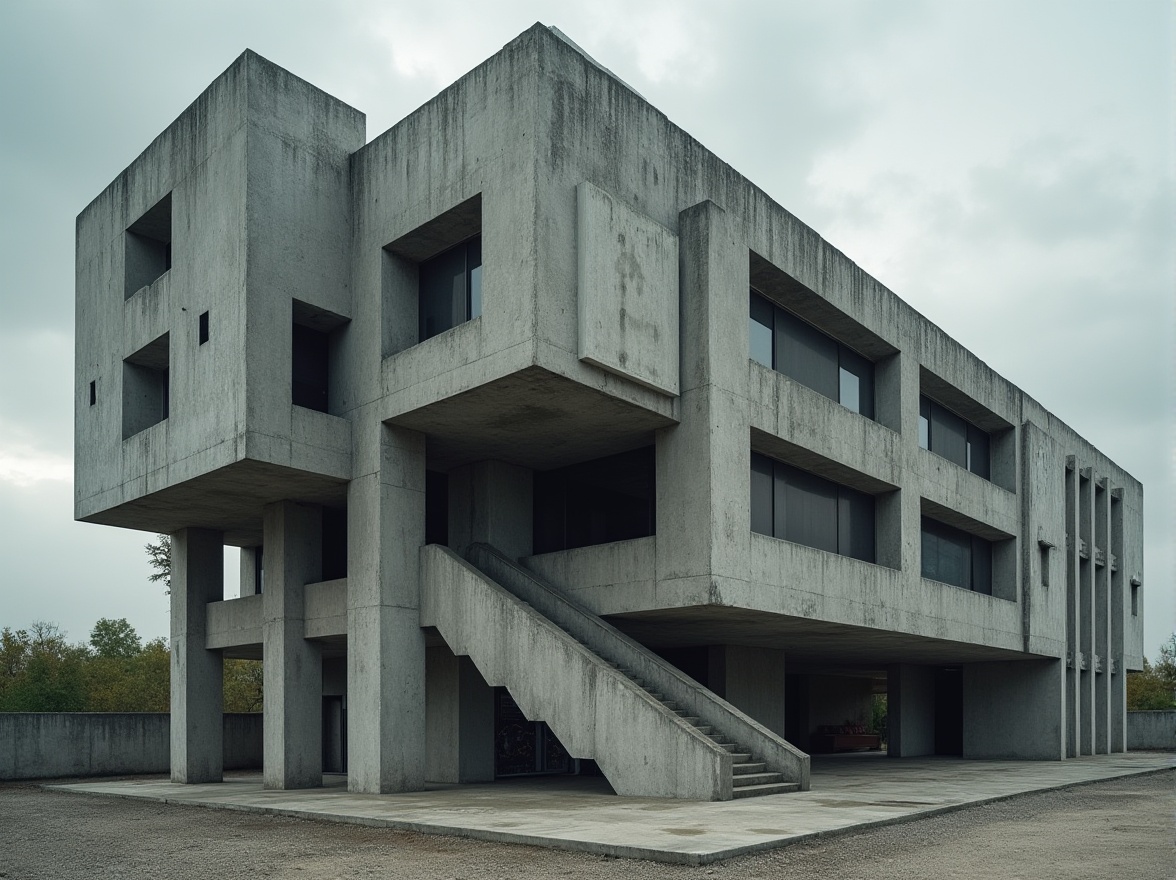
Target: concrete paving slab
x=848 y=794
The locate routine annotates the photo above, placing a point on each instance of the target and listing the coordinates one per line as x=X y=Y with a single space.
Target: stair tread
x=749 y=779
x=770 y=788
x=750 y=767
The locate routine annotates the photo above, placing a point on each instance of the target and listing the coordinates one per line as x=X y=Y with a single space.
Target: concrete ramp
x=650 y=729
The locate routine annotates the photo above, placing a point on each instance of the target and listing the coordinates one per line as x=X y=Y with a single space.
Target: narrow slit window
x=203 y=332
x=93 y=392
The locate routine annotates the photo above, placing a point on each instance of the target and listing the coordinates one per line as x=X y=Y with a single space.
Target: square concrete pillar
x=492 y=502
x=1015 y=709
x=197 y=683
x=459 y=712
x=703 y=519
x=910 y=710
x=292 y=668
x=750 y=679
x=385 y=643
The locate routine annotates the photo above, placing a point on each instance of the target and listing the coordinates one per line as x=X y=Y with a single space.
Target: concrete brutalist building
x=552 y=444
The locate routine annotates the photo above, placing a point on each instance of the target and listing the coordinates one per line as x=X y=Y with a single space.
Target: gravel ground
x=1118 y=829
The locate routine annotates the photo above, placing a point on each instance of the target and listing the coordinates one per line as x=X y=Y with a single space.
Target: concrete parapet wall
x=1155 y=729
x=37 y=745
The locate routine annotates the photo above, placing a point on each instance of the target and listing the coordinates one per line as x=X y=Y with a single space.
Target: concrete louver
x=653 y=731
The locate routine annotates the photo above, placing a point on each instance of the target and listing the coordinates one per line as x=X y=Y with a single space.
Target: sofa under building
x=551 y=443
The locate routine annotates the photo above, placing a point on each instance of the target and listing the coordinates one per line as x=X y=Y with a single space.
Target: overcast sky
x=1005 y=167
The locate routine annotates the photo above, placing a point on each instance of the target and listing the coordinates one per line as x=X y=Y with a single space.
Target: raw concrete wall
x=1014 y=710
x=1151 y=730
x=37 y=745
x=911 y=711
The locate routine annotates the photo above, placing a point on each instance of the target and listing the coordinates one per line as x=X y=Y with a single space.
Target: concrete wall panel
x=627 y=290
x=44 y=745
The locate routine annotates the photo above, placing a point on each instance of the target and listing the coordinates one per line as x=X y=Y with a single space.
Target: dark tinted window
x=954 y=438
x=955 y=557
x=436 y=507
x=761 y=330
x=308 y=362
x=595 y=502
x=798 y=506
x=450 y=288
x=779 y=339
x=334 y=543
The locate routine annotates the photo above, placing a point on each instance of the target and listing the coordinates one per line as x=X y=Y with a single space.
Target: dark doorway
x=949 y=711
x=334 y=734
x=436 y=507
x=523 y=747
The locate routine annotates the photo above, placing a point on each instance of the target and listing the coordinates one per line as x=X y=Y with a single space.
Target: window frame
x=789 y=333
x=979 y=556
x=790 y=482
x=974 y=437
x=470 y=307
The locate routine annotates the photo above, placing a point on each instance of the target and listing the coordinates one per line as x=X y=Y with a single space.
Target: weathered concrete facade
x=256 y=367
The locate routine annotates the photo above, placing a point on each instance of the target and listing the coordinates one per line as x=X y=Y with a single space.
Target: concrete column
x=293 y=668
x=250 y=560
x=751 y=679
x=197 y=683
x=704 y=463
x=385 y=643
x=459 y=718
x=910 y=710
x=1015 y=709
x=491 y=502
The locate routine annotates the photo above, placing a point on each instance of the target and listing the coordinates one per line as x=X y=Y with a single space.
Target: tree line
x=41 y=671
x=1155 y=686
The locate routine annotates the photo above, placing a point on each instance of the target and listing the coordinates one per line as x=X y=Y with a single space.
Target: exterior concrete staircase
x=653 y=731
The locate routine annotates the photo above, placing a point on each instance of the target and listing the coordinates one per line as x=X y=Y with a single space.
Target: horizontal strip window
x=801 y=507
x=954 y=557
x=789 y=345
x=954 y=438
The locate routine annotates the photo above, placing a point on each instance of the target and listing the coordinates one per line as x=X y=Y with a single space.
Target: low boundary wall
x=1154 y=729
x=39 y=745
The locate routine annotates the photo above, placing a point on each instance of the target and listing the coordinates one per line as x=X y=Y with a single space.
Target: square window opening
x=148 y=247
x=432 y=277
x=146 y=393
